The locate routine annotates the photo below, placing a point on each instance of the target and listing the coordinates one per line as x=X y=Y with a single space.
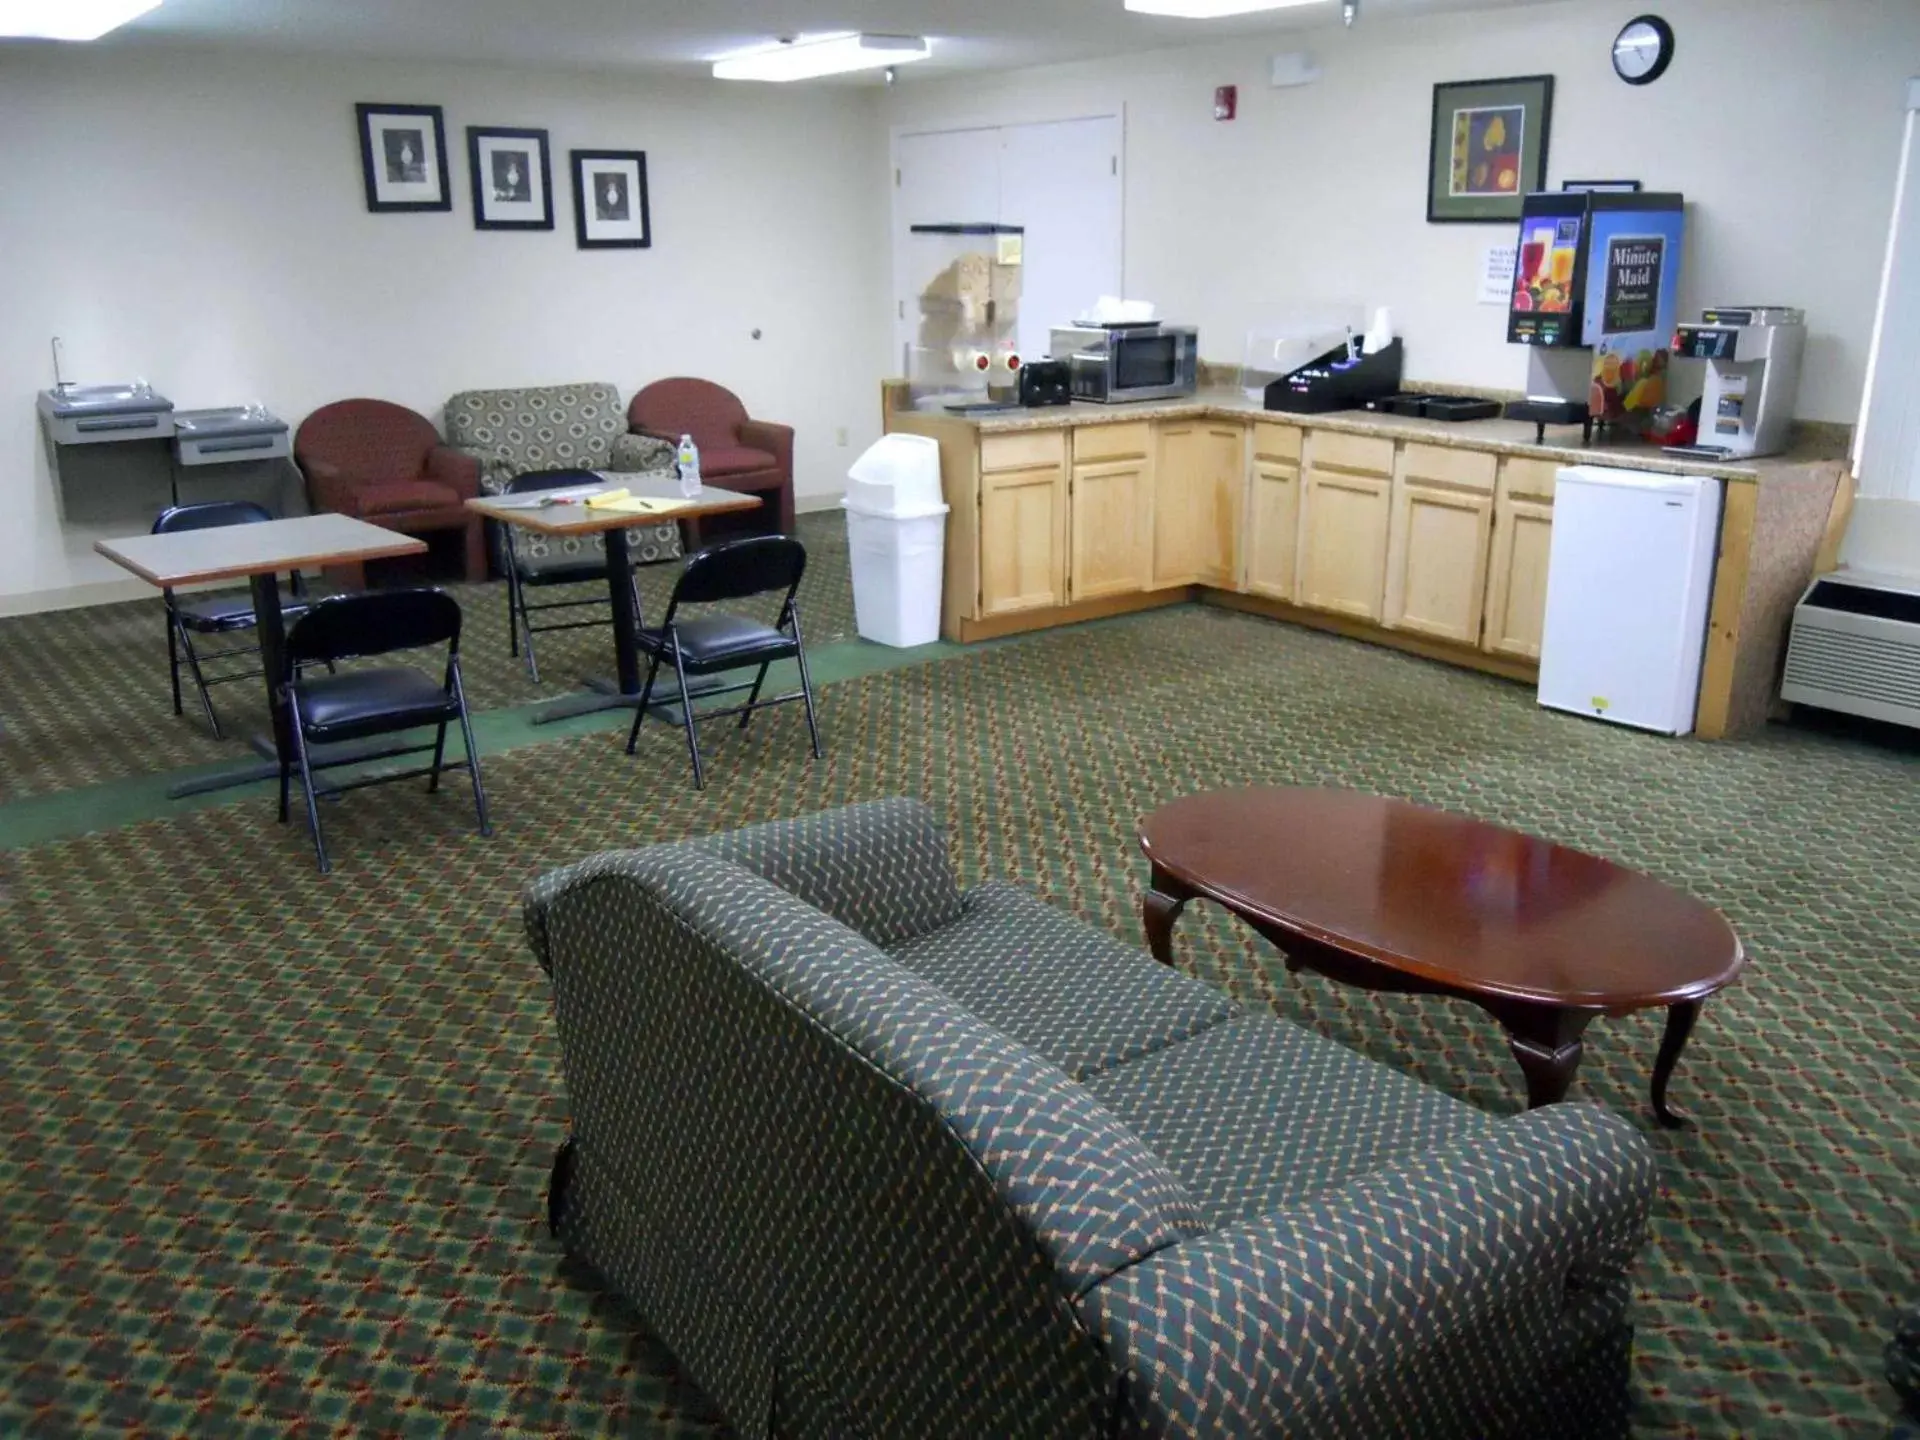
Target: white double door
x=1060 y=180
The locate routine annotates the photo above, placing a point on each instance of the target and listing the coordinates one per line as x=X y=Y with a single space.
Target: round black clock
x=1643 y=50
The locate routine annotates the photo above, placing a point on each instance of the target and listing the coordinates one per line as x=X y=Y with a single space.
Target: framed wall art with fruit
x=1488 y=148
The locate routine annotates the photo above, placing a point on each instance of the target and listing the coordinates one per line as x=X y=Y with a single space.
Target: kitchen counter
x=1501 y=437
x=1429 y=536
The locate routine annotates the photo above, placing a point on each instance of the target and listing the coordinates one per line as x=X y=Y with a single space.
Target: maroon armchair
x=384 y=464
x=735 y=453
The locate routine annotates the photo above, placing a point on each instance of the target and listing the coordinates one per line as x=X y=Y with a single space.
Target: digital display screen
x=1709 y=344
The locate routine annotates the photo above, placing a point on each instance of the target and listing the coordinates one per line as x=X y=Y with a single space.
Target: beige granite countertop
x=1503 y=437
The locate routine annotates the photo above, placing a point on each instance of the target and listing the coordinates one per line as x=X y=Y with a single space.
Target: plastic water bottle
x=687 y=462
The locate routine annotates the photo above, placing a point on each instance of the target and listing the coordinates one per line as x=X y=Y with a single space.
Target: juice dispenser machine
x=1595 y=295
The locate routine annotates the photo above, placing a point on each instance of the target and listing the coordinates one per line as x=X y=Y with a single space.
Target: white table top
x=227 y=552
x=577 y=519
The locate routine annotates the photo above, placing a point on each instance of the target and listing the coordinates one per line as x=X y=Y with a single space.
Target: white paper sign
x=1496 y=274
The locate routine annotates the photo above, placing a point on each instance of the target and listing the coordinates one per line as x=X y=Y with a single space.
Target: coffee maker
x=1753 y=373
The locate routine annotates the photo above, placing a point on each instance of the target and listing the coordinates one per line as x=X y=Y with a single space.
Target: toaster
x=1046 y=382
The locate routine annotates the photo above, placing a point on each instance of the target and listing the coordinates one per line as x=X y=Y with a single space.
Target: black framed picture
x=1488 y=148
x=512 y=182
x=610 y=199
x=403 y=155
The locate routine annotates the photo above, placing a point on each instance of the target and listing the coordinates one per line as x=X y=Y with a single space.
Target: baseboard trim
x=999 y=626
x=74 y=597
x=110 y=592
x=1459 y=655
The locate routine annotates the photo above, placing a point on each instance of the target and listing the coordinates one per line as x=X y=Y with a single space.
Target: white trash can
x=896 y=540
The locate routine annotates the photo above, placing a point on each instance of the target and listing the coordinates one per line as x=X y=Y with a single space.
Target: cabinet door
x=1023 y=539
x=1222 y=494
x=1110 y=530
x=1517 y=578
x=1437 y=561
x=1273 y=528
x=1346 y=504
x=1176 y=462
x=1199 y=473
x=1343 y=543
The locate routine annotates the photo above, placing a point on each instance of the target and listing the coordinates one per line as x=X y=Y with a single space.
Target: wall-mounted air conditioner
x=1856 y=647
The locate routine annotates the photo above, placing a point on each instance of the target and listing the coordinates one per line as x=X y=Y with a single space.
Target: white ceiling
x=680 y=34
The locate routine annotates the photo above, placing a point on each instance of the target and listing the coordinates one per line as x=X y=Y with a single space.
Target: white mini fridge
x=1629 y=579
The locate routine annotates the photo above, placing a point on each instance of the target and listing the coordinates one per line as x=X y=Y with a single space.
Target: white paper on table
x=1496 y=274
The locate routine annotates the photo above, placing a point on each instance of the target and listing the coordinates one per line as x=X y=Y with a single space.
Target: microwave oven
x=1110 y=364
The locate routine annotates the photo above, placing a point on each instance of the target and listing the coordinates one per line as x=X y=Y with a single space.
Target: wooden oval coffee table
x=1389 y=896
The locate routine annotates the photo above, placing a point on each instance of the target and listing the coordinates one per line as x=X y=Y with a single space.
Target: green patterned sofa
x=878 y=1157
x=559 y=427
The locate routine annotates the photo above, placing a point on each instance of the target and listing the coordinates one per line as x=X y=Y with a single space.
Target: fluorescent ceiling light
x=67 y=19
x=822 y=55
x=1211 y=9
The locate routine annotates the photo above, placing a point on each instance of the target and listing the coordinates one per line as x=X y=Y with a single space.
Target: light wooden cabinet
x=1412 y=537
x=1273 y=513
x=1438 y=545
x=1110 y=512
x=1346 y=501
x=1199 y=472
x=1023 y=523
x=1517 y=567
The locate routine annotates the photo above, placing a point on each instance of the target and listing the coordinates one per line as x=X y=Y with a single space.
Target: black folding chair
x=716 y=644
x=356 y=704
x=526 y=573
x=218 y=614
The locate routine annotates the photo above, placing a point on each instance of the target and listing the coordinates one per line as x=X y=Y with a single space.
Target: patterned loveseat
x=878 y=1157
x=559 y=427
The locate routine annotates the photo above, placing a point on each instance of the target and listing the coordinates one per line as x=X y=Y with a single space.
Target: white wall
x=197 y=218
x=1780 y=120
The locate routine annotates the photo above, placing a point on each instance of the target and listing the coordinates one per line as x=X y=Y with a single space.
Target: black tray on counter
x=1436 y=407
x=1544 y=412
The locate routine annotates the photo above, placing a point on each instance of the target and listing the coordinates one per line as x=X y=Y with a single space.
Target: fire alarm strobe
x=1226 y=102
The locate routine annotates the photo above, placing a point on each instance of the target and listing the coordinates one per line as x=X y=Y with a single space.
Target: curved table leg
x=1680 y=1020
x=1159 y=908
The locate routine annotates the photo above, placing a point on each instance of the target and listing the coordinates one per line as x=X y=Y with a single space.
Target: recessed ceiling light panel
x=67 y=19
x=809 y=59
x=1211 y=9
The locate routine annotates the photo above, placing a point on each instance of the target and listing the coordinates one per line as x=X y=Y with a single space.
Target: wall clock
x=1643 y=50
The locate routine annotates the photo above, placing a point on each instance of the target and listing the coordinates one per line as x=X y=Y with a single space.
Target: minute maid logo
x=1632 y=298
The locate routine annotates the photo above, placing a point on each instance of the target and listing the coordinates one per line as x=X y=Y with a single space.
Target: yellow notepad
x=622 y=502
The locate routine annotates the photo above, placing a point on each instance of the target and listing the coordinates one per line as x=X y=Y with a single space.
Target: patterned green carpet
x=279 y=1142
x=84 y=696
